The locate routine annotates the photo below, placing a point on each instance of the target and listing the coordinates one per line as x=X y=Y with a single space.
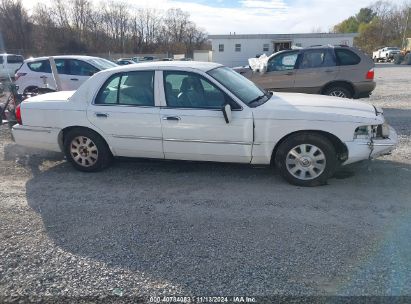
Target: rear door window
x=41 y=66
x=317 y=59
x=1 y=59
x=132 y=89
x=346 y=57
x=137 y=88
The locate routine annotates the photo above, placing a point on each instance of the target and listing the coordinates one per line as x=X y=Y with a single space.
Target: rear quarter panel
x=44 y=120
x=356 y=73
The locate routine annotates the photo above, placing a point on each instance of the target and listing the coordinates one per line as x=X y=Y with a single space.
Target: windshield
x=102 y=64
x=240 y=86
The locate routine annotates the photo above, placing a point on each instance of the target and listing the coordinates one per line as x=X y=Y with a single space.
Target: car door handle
x=174 y=118
x=101 y=115
x=43 y=77
x=74 y=79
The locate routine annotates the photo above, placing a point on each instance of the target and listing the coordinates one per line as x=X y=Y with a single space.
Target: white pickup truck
x=385 y=54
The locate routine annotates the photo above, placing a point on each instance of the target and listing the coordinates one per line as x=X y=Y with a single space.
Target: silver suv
x=329 y=70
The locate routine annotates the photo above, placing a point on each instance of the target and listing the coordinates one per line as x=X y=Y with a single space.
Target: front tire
x=86 y=150
x=306 y=159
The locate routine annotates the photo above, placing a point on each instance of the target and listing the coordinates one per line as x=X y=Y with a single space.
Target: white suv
x=9 y=63
x=73 y=71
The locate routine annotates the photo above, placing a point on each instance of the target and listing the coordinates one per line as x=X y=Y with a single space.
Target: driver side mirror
x=263 y=70
x=227 y=112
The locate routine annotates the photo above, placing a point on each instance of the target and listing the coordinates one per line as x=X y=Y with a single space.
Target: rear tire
x=86 y=150
x=29 y=90
x=339 y=91
x=306 y=159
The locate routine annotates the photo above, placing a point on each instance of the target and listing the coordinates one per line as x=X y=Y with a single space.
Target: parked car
x=329 y=70
x=9 y=63
x=385 y=54
x=125 y=61
x=144 y=59
x=203 y=112
x=73 y=71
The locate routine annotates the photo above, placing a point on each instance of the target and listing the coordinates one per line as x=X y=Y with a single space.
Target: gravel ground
x=184 y=228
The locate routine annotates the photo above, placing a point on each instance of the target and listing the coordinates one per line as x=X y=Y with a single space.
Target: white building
x=235 y=50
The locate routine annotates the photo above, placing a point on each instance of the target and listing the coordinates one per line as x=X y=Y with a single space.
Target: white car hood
x=316 y=108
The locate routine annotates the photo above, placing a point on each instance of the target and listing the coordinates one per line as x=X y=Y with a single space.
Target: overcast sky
x=258 y=16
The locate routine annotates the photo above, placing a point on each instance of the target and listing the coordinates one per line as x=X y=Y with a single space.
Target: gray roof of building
x=283 y=36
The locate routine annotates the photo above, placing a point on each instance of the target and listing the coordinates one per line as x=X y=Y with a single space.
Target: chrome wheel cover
x=305 y=162
x=338 y=93
x=84 y=151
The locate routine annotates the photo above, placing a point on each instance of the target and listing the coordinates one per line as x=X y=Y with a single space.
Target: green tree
x=349 y=25
x=365 y=15
x=369 y=36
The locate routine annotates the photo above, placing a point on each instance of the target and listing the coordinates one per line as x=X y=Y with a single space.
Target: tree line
x=87 y=27
x=381 y=24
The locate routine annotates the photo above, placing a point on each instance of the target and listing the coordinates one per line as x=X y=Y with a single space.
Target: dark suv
x=329 y=70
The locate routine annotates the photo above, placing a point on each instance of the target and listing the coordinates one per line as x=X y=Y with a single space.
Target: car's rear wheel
x=338 y=91
x=306 y=159
x=86 y=150
x=30 y=90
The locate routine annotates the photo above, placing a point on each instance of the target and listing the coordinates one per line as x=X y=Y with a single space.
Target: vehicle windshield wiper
x=266 y=94
x=257 y=99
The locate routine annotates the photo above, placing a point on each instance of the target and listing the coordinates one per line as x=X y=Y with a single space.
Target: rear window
x=42 y=66
x=15 y=59
x=346 y=57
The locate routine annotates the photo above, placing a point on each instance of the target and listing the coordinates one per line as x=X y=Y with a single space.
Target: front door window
x=282 y=62
x=190 y=90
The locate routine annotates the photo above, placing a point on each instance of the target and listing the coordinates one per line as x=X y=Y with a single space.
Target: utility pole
x=405 y=29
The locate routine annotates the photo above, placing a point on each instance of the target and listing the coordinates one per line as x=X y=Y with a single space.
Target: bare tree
x=84 y=26
x=14 y=24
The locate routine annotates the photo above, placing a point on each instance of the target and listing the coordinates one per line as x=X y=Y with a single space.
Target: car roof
x=316 y=47
x=6 y=54
x=62 y=57
x=197 y=65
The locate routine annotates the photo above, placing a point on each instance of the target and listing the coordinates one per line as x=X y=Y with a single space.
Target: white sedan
x=203 y=112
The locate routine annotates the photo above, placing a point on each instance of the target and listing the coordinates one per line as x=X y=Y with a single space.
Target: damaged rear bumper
x=359 y=150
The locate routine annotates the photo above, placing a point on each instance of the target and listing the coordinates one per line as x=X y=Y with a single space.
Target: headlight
x=362 y=132
x=367 y=132
x=383 y=130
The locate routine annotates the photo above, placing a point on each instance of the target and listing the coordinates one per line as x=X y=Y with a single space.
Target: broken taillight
x=18 y=75
x=18 y=115
x=370 y=74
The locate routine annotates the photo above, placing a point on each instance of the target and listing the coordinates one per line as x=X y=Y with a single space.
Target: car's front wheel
x=86 y=150
x=306 y=159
